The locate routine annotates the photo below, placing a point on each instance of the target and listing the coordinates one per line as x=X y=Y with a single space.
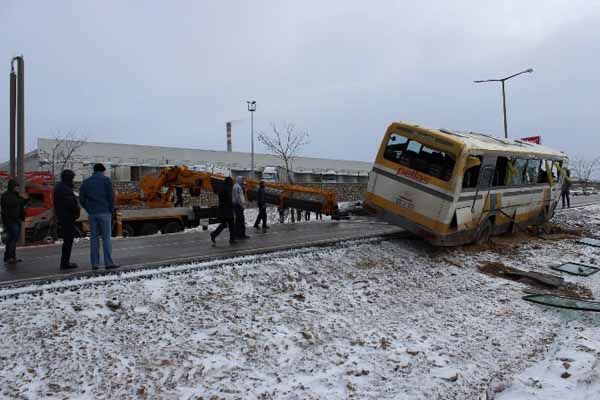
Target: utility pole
x=17 y=126
x=502 y=80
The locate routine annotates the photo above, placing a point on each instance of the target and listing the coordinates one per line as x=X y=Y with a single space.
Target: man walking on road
x=239 y=202
x=566 y=190
x=12 y=207
x=225 y=212
x=98 y=198
x=66 y=210
x=262 y=208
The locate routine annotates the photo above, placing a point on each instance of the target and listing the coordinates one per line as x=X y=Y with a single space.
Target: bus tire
x=148 y=229
x=172 y=227
x=484 y=233
x=128 y=230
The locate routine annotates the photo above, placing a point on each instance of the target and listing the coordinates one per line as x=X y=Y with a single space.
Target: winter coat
x=12 y=207
x=260 y=197
x=66 y=206
x=96 y=194
x=238 y=193
x=225 y=210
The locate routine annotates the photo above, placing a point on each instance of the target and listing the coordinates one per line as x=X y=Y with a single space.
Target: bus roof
x=482 y=141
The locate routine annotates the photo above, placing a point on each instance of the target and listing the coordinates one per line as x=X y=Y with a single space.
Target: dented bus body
x=453 y=188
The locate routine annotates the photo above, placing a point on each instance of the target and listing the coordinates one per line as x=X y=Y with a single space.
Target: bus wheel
x=484 y=233
x=148 y=229
x=128 y=230
x=172 y=227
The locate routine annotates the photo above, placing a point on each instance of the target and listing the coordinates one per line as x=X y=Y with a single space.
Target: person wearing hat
x=66 y=210
x=97 y=197
x=12 y=207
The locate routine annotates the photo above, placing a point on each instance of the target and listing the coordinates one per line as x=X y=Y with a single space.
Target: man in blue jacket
x=97 y=197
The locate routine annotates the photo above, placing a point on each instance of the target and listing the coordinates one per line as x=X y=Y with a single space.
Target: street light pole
x=252 y=108
x=502 y=80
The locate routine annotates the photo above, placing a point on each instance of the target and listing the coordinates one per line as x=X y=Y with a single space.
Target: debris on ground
x=550 y=284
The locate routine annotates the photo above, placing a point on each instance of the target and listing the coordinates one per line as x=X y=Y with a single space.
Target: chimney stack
x=229 y=147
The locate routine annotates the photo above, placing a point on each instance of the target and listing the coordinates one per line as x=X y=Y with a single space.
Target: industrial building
x=130 y=162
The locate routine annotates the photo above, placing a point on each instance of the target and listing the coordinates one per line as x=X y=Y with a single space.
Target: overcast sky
x=171 y=73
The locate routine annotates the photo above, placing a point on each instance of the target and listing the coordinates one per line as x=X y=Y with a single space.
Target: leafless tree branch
x=62 y=154
x=584 y=170
x=285 y=143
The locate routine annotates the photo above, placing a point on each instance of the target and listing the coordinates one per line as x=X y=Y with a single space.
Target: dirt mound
x=545 y=283
x=552 y=231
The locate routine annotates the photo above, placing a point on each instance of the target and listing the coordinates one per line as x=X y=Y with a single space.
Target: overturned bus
x=453 y=188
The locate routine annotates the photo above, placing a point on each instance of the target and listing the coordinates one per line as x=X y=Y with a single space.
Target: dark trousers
x=13 y=231
x=225 y=223
x=240 y=221
x=68 y=233
x=566 y=197
x=262 y=216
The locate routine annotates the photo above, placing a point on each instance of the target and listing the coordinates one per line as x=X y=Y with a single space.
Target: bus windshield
x=415 y=155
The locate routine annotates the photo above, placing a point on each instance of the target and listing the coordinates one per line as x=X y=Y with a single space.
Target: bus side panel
x=412 y=200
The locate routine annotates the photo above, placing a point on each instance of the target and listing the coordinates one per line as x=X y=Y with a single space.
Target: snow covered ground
x=371 y=319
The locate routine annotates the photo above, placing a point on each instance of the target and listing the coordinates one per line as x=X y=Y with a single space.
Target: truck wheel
x=172 y=227
x=128 y=230
x=484 y=233
x=148 y=229
x=44 y=235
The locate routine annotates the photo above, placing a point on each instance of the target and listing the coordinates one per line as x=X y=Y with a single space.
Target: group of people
x=96 y=196
x=297 y=215
x=232 y=203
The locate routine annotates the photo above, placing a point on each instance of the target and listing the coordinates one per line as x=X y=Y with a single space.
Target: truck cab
x=269 y=174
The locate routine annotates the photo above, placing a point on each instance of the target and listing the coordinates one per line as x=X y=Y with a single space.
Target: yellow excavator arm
x=154 y=195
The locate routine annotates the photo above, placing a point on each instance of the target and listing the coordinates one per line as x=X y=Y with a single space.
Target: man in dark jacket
x=566 y=190
x=97 y=196
x=225 y=212
x=66 y=210
x=262 y=208
x=12 y=207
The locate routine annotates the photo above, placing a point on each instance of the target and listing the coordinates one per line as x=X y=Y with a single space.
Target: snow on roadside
x=394 y=319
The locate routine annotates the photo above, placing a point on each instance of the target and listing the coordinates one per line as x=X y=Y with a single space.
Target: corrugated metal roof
x=158 y=155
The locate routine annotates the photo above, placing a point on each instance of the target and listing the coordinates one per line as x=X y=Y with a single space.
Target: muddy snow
x=374 y=319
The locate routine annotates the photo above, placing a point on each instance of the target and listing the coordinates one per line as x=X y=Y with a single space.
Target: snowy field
x=374 y=319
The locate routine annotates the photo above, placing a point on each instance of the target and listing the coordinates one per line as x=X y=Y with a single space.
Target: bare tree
x=584 y=170
x=61 y=155
x=285 y=143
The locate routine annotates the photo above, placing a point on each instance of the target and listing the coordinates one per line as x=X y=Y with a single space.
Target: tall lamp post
x=527 y=71
x=252 y=108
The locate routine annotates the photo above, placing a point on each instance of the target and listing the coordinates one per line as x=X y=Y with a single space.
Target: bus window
x=533 y=167
x=543 y=175
x=415 y=155
x=555 y=170
x=500 y=173
x=516 y=170
x=472 y=169
x=395 y=147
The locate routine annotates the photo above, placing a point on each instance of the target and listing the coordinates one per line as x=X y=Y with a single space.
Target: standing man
x=98 y=198
x=178 y=196
x=262 y=208
x=12 y=207
x=225 y=212
x=566 y=190
x=66 y=210
x=239 y=202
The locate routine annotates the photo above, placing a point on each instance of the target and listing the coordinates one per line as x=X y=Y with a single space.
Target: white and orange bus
x=455 y=187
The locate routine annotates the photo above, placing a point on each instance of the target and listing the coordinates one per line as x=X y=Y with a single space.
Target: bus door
x=469 y=217
x=482 y=201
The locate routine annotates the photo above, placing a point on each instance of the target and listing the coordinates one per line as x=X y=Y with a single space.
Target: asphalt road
x=40 y=263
